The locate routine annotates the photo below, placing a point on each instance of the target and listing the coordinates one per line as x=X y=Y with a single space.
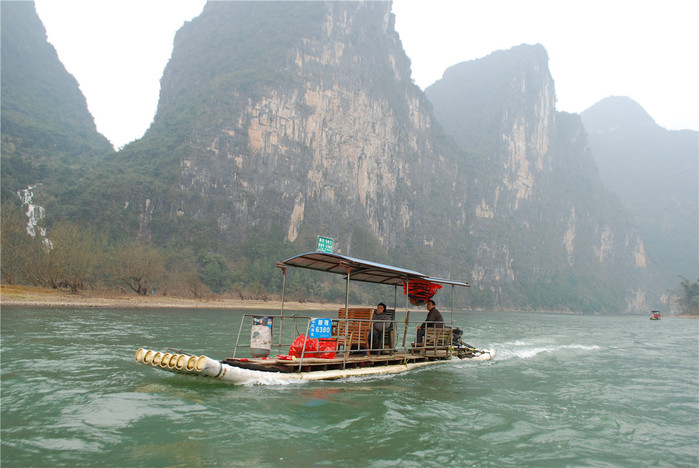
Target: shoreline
x=31 y=296
x=40 y=297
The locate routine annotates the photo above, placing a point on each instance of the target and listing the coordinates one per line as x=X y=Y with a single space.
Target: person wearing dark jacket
x=381 y=323
x=434 y=320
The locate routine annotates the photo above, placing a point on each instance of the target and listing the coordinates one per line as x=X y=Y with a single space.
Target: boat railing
x=348 y=337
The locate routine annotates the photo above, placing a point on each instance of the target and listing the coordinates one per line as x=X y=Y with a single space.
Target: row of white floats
x=184 y=363
x=204 y=366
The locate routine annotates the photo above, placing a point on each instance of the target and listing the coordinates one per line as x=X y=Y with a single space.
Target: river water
x=564 y=390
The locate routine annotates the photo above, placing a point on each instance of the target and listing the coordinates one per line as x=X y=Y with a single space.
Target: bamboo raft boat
x=330 y=347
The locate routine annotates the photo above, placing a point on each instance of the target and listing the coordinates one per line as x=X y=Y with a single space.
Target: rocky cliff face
x=288 y=120
x=654 y=172
x=341 y=138
x=557 y=225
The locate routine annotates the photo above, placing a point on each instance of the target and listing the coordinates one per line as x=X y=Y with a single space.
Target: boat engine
x=456 y=334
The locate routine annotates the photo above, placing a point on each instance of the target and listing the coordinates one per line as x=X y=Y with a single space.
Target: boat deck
x=350 y=362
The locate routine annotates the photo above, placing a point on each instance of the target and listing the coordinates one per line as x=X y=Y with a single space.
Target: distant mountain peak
x=654 y=172
x=517 y=57
x=616 y=112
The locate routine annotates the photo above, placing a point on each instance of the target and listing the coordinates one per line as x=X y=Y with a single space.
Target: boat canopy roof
x=362 y=270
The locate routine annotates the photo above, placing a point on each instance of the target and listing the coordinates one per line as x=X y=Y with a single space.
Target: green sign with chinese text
x=325 y=244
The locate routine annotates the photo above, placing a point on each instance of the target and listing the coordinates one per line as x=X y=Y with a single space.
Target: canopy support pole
x=347 y=269
x=395 y=299
x=407 y=313
x=281 y=324
x=281 y=312
x=344 y=342
x=452 y=306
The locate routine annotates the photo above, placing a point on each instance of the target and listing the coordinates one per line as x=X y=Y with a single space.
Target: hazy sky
x=646 y=50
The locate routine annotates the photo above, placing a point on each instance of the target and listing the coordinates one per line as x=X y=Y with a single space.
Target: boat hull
x=204 y=366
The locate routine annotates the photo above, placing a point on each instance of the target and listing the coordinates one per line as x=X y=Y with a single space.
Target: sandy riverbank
x=39 y=297
x=112 y=299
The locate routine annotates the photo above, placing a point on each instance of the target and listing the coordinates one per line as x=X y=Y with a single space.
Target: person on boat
x=382 y=321
x=434 y=320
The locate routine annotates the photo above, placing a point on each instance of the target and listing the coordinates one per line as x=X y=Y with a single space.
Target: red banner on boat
x=420 y=291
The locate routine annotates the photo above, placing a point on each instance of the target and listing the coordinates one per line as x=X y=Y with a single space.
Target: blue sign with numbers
x=320 y=328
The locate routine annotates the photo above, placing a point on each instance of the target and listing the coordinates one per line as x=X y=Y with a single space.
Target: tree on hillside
x=76 y=253
x=688 y=299
x=14 y=240
x=138 y=266
x=68 y=259
x=181 y=274
x=36 y=261
x=214 y=272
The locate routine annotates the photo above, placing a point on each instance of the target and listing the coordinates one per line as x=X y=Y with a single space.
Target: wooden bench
x=354 y=328
x=435 y=339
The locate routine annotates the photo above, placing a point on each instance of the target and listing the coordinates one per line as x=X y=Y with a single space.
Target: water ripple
x=562 y=391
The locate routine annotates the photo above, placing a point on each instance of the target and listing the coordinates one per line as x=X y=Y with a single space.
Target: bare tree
x=13 y=240
x=182 y=275
x=37 y=262
x=198 y=289
x=75 y=254
x=138 y=266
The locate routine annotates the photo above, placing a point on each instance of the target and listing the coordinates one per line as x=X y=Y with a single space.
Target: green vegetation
x=232 y=52
x=74 y=257
x=78 y=257
x=14 y=241
x=48 y=135
x=688 y=297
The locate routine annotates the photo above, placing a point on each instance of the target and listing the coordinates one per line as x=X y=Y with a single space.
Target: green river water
x=564 y=390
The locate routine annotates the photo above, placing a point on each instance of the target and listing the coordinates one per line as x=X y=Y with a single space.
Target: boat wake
x=521 y=350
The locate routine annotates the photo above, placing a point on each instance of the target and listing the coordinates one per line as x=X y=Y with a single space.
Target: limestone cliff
x=558 y=227
x=293 y=119
x=337 y=137
x=281 y=121
x=654 y=172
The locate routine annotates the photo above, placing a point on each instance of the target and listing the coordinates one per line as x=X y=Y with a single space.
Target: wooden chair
x=354 y=328
x=435 y=339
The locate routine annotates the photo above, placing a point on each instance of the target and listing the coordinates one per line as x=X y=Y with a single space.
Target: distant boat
x=656 y=315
